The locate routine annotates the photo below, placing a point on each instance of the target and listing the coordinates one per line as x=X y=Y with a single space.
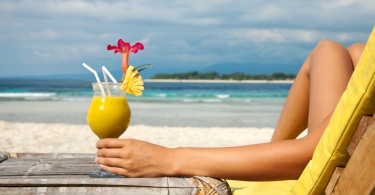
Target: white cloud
x=44 y=55
x=270 y=36
x=181 y=31
x=337 y=4
x=44 y=34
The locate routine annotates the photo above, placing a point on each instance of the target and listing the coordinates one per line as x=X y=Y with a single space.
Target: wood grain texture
x=358 y=176
x=31 y=173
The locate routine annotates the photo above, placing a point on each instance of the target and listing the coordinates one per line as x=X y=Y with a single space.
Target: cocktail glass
x=109 y=114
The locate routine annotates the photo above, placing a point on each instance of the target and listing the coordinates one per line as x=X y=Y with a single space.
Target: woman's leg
x=316 y=90
x=293 y=118
x=355 y=52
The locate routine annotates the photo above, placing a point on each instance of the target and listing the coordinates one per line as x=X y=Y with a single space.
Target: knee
x=356 y=47
x=355 y=51
x=328 y=50
x=328 y=45
x=323 y=47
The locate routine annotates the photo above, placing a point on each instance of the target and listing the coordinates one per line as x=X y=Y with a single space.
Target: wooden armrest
x=358 y=177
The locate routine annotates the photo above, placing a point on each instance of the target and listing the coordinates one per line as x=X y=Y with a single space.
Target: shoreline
x=216 y=81
x=253 y=113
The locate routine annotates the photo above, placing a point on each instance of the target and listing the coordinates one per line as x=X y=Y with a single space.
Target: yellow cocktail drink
x=109 y=116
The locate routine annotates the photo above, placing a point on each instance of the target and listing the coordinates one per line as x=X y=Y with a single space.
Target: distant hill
x=228 y=68
x=194 y=75
x=220 y=68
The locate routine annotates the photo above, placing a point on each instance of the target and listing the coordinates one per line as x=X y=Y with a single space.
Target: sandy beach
x=60 y=126
x=55 y=137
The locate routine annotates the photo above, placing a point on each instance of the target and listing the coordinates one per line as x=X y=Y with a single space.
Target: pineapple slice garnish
x=133 y=81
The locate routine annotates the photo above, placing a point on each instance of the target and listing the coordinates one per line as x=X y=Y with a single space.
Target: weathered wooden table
x=68 y=173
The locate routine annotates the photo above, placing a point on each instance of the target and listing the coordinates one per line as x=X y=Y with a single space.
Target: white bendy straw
x=96 y=76
x=106 y=72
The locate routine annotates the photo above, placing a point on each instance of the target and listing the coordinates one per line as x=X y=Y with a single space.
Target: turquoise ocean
x=205 y=92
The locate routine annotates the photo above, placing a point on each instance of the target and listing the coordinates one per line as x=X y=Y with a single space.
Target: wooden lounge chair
x=357 y=101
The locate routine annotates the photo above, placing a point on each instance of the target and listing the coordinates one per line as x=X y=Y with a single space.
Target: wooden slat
x=334 y=179
x=48 y=164
x=106 y=186
x=103 y=190
x=358 y=134
x=16 y=167
x=93 y=190
x=55 y=155
x=84 y=181
x=359 y=174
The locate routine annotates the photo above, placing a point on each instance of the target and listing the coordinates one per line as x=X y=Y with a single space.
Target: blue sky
x=44 y=37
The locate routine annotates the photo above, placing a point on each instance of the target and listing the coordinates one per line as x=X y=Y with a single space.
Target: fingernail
x=96 y=160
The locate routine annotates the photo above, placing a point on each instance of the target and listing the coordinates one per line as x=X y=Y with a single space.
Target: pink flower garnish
x=125 y=49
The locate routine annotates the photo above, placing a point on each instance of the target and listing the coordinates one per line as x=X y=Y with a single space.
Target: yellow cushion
x=357 y=100
x=261 y=188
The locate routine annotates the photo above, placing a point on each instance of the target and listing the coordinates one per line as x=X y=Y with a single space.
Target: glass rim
x=104 y=89
x=108 y=83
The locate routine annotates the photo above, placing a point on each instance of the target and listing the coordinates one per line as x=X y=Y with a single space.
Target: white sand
x=19 y=137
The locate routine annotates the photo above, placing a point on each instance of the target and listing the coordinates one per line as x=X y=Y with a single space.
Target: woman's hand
x=133 y=158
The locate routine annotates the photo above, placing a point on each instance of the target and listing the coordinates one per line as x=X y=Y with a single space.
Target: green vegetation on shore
x=195 y=75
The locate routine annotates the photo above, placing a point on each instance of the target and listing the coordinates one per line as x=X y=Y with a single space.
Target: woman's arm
x=269 y=161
